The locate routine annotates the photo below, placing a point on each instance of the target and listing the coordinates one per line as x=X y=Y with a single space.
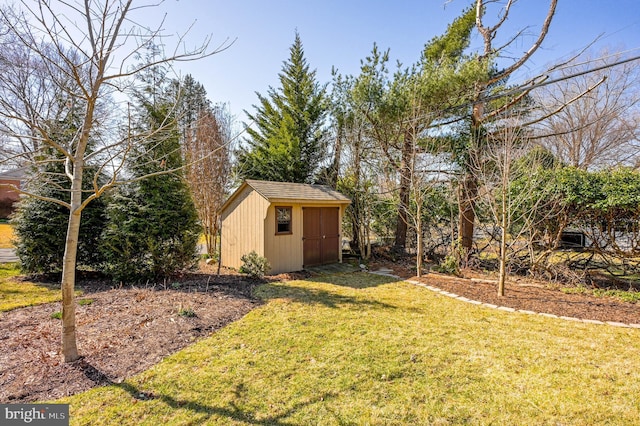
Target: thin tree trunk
x=503 y=243
x=219 y=247
x=419 y=238
x=69 y=346
x=368 y=237
x=400 y=242
x=335 y=166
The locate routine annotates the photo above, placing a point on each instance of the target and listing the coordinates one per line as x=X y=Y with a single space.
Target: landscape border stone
x=502 y=308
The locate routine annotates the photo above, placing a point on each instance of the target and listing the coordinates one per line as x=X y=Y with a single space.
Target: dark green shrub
x=41 y=228
x=153 y=231
x=153 y=225
x=254 y=265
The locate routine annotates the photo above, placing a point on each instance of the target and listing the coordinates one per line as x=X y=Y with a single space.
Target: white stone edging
x=506 y=308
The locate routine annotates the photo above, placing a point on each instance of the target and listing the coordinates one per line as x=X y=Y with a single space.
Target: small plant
x=451 y=263
x=630 y=296
x=176 y=286
x=85 y=302
x=580 y=289
x=254 y=265
x=210 y=258
x=56 y=315
x=187 y=312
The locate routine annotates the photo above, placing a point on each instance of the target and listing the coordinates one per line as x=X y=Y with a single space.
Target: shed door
x=320 y=235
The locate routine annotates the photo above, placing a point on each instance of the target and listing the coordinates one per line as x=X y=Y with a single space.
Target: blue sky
x=339 y=33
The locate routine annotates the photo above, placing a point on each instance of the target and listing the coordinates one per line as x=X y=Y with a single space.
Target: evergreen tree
x=153 y=226
x=192 y=101
x=40 y=226
x=287 y=143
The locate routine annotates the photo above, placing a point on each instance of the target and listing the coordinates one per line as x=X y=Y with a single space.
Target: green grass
x=18 y=294
x=625 y=296
x=630 y=296
x=6 y=235
x=360 y=349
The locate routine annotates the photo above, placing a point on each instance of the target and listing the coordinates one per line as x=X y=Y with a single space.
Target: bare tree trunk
x=219 y=250
x=357 y=222
x=69 y=347
x=419 y=242
x=400 y=242
x=335 y=166
x=502 y=276
x=467 y=205
x=404 y=193
x=368 y=238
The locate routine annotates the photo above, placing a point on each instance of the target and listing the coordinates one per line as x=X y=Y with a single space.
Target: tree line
x=431 y=153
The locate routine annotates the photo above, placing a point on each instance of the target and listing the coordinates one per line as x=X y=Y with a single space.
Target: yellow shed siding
x=243 y=227
x=249 y=223
x=284 y=252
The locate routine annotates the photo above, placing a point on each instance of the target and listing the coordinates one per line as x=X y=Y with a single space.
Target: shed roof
x=295 y=191
x=291 y=192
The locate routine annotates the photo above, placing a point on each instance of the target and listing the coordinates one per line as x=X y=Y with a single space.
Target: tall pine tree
x=287 y=142
x=153 y=225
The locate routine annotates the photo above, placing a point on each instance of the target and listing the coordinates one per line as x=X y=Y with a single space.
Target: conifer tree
x=287 y=142
x=153 y=225
x=40 y=225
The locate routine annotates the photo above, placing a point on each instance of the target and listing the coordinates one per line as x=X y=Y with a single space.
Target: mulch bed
x=529 y=296
x=122 y=332
x=526 y=294
x=127 y=330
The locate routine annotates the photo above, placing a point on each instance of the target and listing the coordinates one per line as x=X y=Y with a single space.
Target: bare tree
x=484 y=111
x=593 y=118
x=208 y=170
x=507 y=159
x=85 y=52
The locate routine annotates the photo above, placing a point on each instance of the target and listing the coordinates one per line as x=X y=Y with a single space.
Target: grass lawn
x=362 y=349
x=6 y=235
x=15 y=294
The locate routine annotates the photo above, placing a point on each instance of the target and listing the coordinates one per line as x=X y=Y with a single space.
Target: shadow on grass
x=232 y=412
x=328 y=298
x=356 y=280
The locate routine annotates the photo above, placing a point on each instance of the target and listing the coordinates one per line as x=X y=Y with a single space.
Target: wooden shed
x=293 y=225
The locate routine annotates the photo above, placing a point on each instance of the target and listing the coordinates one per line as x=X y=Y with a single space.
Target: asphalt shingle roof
x=296 y=191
